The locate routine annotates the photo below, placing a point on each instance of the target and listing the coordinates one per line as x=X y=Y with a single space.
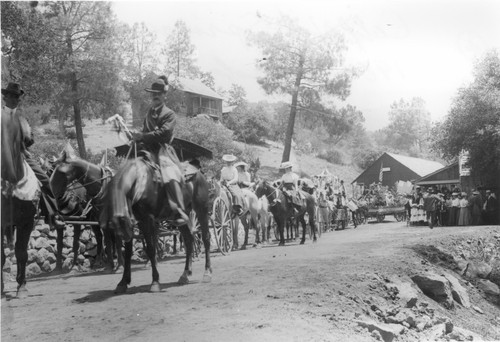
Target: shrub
x=71 y=133
x=332 y=156
x=210 y=135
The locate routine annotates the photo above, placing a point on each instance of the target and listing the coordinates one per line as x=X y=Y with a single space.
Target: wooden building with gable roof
x=391 y=168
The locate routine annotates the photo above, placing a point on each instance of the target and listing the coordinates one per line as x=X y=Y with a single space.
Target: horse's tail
x=117 y=213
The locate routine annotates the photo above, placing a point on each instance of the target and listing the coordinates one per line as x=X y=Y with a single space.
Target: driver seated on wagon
x=229 y=178
x=289 y=185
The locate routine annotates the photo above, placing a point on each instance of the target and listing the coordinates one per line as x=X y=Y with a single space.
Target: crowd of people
x=452 y=207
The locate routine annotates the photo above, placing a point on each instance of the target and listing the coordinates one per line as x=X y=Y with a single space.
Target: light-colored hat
x=475 y=192
x=286 y=165
x=464 y=194
x=229 y=158
x=455 y=194
x=241 y=163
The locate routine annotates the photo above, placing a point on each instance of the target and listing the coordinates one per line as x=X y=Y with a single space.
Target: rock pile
x=42 y=251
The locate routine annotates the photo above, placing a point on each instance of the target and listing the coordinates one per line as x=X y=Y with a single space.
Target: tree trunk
x=78 y=118
x=293 y=112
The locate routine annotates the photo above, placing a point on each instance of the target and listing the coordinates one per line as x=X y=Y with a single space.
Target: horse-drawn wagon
x=379 y=213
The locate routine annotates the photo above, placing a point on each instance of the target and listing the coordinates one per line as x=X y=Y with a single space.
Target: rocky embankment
x=455 y=285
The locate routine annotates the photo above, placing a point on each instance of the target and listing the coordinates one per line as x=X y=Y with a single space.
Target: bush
x=332 y=156
x=249 y=124
x=71 y=133
x=54 y=132
x=49 y=147
x=210 y=135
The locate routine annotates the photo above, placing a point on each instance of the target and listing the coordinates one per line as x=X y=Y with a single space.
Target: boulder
x=41 y=242
x=53 y=242
x=43 y=228
x=82 y=248
x=436 y=287
x=85 y=236
x=80 y=259
x=388 y=331
x=51 y=258
x=66 y=251
x=407 y=294
x=491 y=290
x=478 y=269
x=7 y=265
x=458 y=292
x=69 y=232
x=91 y=252
x=68 y=242
x=53 y=234
x=67 y=264
x=46 y=266
x=51 y=249
x=461 y=334
x=32 y=253
x=41 y=256
x=32 y=270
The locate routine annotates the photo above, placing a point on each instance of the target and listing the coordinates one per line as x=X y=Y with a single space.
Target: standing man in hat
x=23 y=140
x=156 y=136
x=476 y=206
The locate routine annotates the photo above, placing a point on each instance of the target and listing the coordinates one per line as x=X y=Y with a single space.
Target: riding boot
x=176 y=203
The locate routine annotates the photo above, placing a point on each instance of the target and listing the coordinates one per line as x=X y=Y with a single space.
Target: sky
x=406 y=49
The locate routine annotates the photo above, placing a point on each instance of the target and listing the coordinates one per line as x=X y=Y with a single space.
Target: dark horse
x=135 y=194
x=16 y=212
x=70 y=176
x=282 y=210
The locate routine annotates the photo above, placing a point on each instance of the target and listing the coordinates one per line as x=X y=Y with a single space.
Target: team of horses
x=133 y=198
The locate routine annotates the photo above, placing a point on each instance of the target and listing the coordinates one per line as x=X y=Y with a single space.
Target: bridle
x=275 y=190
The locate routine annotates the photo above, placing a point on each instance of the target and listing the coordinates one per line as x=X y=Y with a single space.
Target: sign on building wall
x=463 y=164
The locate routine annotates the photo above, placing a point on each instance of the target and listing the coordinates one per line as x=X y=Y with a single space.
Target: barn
x=391 y=168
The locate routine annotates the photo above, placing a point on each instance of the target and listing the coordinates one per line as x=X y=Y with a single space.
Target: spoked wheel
x=197 y=243
x=223 y=226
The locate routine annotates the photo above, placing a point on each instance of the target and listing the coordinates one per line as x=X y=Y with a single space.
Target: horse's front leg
x=205 y=237
x=312 y=224
x=151 y=237
x=188 y=243
x=304 y=228
x=246 y=223
x=99 y=240
x=281 y=228
x=126 y=278
x=23 y=233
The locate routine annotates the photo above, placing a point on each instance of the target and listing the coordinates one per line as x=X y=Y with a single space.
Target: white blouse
x=229 y=174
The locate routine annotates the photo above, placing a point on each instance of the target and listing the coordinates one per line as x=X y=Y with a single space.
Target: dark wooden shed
x=391 y=168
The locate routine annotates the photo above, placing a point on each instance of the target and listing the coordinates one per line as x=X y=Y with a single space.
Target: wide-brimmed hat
x=229 y=158
x=455 y=194
x=286 y=165
x=13 y=88
x=241 y=163
x=158 y=86
x=475 y=192
x=464 y=194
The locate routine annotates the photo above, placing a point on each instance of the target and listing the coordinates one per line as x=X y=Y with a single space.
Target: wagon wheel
x=223 y=226
x=196 y=234
x=380 y=218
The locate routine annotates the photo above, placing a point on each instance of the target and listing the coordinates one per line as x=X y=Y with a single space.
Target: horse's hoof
x=315 y=240
x=155 y=287
x=258 y=245
x=121 y=289
x=302 y=242
x=281 y=244
x=243 y=247
x=22 y=292
x=207 y=277
x=183 y=280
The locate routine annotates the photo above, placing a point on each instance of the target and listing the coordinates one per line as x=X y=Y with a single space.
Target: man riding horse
x=156 y=137
x=48 y=205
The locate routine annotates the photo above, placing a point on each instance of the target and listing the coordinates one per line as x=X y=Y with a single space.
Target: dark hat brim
x=7 y=91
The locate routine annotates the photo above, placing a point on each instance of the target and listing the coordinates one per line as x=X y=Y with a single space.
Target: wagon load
x=382 y=202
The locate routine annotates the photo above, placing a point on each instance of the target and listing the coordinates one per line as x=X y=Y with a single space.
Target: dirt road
x=310 y=292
